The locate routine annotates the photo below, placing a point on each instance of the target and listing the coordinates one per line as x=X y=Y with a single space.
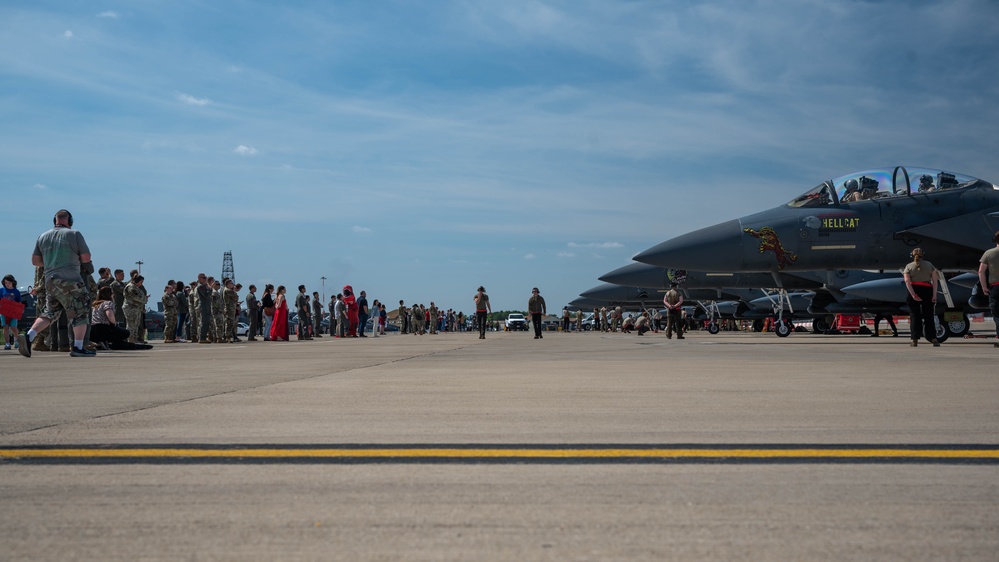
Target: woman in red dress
x=279 y=328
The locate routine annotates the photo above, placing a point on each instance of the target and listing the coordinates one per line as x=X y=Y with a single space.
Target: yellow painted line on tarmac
x=497 y=453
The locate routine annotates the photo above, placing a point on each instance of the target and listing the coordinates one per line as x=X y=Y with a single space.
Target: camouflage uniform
x=118 y=292
x=195 y=307
x=229 y=300
x=433 y=319
x=416 y=321
x=39 y=343
x=135 y=302
x=170 y=317
x=218 y=317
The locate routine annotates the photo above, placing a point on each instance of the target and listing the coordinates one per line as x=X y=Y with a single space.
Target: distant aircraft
x=865 y=220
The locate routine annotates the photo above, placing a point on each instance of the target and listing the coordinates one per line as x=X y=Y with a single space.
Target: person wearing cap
x=921 y=281
x=536 y=308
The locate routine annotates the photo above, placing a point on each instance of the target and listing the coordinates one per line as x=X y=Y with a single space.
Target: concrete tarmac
x=596 y=391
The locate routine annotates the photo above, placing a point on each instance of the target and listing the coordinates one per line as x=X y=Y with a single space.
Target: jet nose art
x=715 y=248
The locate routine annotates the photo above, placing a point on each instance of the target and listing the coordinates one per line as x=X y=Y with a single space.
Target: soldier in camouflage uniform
x=218 y=314
x=434 y=312
x=170 y=305
x=118 y=290
x=229 y=300
x=39 y=292
x=135 y=304
x=195 y=307
x=416 y=319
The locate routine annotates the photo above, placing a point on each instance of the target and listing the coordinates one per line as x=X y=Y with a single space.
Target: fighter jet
x=864 y=220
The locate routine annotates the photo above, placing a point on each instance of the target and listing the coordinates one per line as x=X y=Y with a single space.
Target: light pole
x=139 y=263
x=323 y=279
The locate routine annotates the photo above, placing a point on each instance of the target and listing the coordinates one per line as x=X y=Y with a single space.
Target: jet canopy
x=879 y=183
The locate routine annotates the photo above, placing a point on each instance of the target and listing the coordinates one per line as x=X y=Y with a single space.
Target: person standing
x=375 y=307
x=204 y=303
x=182 y=311
x=673 y=301
x=342 y=323
x=195 y=307
x=267 y=302
x=382 y=318
x=9 y=292
x=218 y=314
x=230 y=298
x=579 y=320
x=317 y=315
x=434 y=314
x=170 y=304
x=566 y=319
x=988 y=276
x=279 y=329
x=252 y=310
x=921 y=282
x=302 y=308
x=482 y=310
x=118 y=291
x=64 y=254
x=403 y=318
x=536 y=308
x=135 y=303
x=363 y=312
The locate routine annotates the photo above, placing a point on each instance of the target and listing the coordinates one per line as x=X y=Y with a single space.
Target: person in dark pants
x=482 y=310
x=891 y=324
x=921 y=282
x=536 y=307
x=988 y=276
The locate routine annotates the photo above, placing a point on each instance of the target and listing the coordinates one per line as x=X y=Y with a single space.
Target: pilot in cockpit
x=851 y=194
x=925 y=183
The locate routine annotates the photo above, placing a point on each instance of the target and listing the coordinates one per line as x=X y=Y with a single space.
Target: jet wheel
x=941 y=329
x=957 y=329
x=783 y=328
x=713 y=328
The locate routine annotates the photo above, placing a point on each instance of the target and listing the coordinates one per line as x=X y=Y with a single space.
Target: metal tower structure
x=227 y=268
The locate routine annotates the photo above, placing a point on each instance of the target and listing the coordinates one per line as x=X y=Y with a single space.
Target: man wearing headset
x=65 y=256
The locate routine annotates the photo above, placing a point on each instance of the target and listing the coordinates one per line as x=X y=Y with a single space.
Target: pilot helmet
x=925 y=181
x=851 y=185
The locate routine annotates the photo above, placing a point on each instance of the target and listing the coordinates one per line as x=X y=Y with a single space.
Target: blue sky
x=420 y=149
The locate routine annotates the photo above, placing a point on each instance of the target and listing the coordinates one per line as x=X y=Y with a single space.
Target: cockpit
x=880 y=183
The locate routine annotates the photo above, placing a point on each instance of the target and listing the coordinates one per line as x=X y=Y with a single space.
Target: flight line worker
x=536 y=307
x=921 y=281
x=674 y=312
x=990 y=285
x=64 y=254
x=482 y=309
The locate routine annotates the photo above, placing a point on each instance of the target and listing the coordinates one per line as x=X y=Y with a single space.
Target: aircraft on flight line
x=864 y=220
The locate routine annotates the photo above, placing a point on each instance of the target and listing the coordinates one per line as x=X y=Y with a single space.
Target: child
x=9 y=291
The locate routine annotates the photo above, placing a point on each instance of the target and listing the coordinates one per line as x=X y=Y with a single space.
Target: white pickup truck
x=516 y=321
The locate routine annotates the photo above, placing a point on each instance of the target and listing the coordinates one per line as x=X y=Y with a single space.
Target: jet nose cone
x=715 y=248
x=636 y=275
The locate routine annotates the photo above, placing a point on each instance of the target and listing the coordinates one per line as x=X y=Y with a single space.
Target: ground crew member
x=536 y=307
x=673 y=301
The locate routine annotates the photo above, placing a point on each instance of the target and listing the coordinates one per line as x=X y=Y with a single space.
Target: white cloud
x=244 y=150
x=108 y=14
x=40 y=187
x=361 y=229
x=68 y=34
x=530 y=257
x=191 y=100
x=596 y=245
x=566 y=255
